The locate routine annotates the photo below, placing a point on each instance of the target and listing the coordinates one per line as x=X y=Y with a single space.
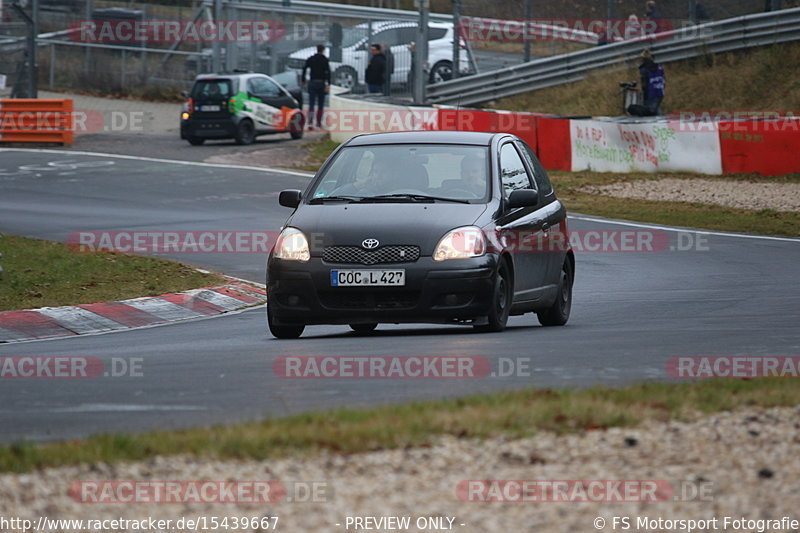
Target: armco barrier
x=37 y=120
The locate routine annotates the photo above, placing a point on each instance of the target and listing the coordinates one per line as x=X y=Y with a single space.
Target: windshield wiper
x=321 y=199
x=414 y=197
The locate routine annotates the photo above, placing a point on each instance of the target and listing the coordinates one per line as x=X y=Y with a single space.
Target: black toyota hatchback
x=437 y=227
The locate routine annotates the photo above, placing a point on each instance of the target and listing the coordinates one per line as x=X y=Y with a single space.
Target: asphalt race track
x=632 y=311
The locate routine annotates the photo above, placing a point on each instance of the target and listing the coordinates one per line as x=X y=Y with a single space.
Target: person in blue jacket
x=653 y=82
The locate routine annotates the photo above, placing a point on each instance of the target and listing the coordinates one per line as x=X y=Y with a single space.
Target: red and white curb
x=51 y=322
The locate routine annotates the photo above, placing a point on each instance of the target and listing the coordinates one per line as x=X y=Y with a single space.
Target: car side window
x=512 y=170
x=539 y=173
x=262 y=87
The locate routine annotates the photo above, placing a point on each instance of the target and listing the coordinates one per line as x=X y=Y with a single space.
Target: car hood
x=422 y=224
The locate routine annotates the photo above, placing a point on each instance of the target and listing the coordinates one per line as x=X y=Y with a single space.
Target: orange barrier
x=37 y=120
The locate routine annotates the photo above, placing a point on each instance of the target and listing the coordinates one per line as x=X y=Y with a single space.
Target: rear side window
x=436 y=33
x=212 y=90
x=539 y=173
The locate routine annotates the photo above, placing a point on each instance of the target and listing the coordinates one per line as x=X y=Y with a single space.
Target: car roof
x=423 y=137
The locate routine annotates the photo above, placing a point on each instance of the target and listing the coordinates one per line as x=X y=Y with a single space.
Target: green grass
x=695 y=215
x=712 y=82
x=512 y=414
x=41 y=273
x=316 y=153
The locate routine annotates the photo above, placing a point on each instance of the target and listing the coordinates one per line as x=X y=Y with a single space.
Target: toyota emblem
x=370 y=244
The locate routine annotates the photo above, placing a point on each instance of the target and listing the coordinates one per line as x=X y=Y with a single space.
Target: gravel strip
x=729 y=193
x=748 y=461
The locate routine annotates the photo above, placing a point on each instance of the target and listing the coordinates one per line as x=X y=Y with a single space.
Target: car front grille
x=369 y=300
x=354 y=255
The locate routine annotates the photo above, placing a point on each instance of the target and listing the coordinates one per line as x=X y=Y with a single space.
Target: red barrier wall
x=767 y=147
x=553 y=145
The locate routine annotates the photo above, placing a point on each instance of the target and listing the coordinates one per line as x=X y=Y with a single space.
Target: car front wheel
x=196 y=141
x=558 y=313
x=501 y=301
x=282 y=332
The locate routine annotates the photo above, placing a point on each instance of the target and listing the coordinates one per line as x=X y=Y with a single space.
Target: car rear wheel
x=558 y=313
x=282 y=332
x=296 y=126
x=245 y=132
x=501 y=301
x=364 y=328
x=196 y=141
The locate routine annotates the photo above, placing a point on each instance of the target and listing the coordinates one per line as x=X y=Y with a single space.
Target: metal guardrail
x=721 y=36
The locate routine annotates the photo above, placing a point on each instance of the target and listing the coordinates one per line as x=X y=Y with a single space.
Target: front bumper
x=455 y=291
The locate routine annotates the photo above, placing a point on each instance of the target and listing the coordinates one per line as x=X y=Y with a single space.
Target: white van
x=349 y=73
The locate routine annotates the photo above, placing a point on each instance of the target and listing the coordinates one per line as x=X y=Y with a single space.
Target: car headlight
x=292 y=245
x=461 y=243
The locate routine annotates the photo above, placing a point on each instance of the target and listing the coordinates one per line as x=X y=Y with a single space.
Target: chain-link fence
x=75 y=54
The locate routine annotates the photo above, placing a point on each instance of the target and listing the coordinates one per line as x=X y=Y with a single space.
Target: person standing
x=318 y=85
x=653 y=82
x=376 y=70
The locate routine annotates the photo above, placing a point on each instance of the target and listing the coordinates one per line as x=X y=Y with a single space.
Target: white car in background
x=349 y=73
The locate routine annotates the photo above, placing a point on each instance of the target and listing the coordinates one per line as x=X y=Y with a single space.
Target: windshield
x=445 y=171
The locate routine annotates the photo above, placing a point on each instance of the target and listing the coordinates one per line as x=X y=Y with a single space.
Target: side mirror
x=290 y=198
x=523 y=198
x=297 y=94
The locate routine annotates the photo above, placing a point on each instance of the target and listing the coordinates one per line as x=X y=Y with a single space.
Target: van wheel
x=501 y=301
x=196 y=141
x=345 y=77
x=558 y=313
x=245 y=132
x=442 y=71
x=296 y=126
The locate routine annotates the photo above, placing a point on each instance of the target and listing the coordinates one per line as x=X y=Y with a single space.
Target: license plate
x=209 y=108
x=368 y=278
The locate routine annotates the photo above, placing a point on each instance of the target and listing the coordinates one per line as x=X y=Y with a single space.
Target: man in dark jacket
x=375 y=76
x=320 y=80
x=653 y=82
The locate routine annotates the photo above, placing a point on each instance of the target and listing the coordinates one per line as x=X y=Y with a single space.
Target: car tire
x=558 y=313
x=245 y=132
x=282 y=332
x=364 y=328
x=502 y=296
x=196 y=141
x=296 y=126
x=345 y=77
x=441 y=71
